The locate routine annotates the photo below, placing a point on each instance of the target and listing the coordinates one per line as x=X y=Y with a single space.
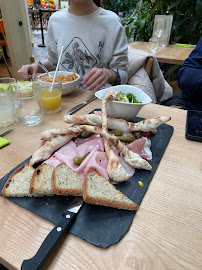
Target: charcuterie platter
x=99 y=225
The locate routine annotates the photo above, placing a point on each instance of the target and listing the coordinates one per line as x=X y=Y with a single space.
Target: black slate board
x=100 y=226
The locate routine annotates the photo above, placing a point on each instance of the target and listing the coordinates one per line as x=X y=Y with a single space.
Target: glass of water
x=7 y=87
x=28 y=106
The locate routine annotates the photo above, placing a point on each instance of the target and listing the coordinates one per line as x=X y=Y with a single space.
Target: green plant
x=187 y=19
x=119 y=5
x=139 y=23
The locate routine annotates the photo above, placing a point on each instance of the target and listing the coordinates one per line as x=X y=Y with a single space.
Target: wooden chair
x=3 y=56
x=3 y=42
x=148 y=65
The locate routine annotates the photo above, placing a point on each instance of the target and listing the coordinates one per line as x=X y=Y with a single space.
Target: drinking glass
x=152 y=45
x=51 y=98
x=29 y=107
x=159 y=29
x=163 y=42
x=7 y=86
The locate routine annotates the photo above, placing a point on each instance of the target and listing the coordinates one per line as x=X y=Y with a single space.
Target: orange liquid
x=51 y=99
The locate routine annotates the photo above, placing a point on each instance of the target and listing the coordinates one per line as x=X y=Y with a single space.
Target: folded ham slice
x=95 y=120
x=141 y=147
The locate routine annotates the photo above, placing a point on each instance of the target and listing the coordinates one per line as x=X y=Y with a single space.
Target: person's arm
x=190 y=75
x=32 y=69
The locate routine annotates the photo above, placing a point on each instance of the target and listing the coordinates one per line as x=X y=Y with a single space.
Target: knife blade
x=77 y=107
x=50 y=242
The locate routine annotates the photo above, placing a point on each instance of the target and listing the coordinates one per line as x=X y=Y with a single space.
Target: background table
x=166 y=232
x=169 y=54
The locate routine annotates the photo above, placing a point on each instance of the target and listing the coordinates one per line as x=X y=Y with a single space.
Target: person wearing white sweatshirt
x=94 y=43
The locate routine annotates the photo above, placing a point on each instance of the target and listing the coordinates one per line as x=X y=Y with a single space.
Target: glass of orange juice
x=51 y=98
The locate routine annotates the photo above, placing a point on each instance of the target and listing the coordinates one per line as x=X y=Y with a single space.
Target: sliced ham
x=52 y=161
x=97 y=159
x=141 y=147
x=64 y=150
x=98 y=162
x=80 y=141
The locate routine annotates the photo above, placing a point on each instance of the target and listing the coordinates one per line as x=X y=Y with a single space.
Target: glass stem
x=158 y=43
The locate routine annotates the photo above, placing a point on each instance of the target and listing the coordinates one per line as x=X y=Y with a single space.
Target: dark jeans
x=180 y=100
x=177 y=100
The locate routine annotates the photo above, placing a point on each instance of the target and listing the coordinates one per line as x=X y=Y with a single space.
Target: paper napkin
x=184 y=45
x=3 y=142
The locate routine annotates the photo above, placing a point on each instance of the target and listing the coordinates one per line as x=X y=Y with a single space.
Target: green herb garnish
x=132 y=98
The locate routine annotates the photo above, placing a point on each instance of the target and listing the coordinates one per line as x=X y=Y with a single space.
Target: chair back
x=3 y=42
x=148 y=65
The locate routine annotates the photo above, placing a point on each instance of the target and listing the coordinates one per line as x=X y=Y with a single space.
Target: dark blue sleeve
x=190 y=75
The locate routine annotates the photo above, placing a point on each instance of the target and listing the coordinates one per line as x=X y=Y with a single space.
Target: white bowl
x=124 y=110
x=67 y=87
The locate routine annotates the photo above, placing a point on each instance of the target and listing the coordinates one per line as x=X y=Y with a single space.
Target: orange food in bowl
x=62 y=78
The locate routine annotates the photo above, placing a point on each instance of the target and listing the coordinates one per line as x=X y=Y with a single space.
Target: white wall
x=18 y=37
x=64 y=4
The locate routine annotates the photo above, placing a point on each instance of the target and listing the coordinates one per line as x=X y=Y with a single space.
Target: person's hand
x=26 y=70
x=98 y=77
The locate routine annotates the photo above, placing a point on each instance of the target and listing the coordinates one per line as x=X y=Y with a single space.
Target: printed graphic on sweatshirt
x=78 y=58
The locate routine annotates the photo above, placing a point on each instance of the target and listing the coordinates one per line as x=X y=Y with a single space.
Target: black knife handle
x=49 y=243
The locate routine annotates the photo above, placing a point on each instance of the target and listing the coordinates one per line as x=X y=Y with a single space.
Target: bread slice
x=97 y=190
x=66 y=182
x=41 y=183
x=18 y=183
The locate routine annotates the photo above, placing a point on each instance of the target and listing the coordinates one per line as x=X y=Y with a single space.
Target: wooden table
x=166 y=232
x=169 y=54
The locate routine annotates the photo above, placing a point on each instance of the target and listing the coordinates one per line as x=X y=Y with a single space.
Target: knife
x=77 y=107
x=50 y=242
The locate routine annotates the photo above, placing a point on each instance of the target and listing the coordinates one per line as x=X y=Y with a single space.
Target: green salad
x=129 y=98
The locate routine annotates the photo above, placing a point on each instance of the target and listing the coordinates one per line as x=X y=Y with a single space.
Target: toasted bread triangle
x=66 y=182
x=41 y=183
x=97 y=190
x=18 y=183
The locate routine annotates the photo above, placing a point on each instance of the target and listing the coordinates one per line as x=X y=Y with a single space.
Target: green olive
x=117 y=132
x=126 y=139
x=137 y=135
x=85 y=134
x=79 y=160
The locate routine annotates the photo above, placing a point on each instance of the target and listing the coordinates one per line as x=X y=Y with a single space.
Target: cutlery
x=50 y=242
x=77 y=107
x=44 y=68
x=5 y=130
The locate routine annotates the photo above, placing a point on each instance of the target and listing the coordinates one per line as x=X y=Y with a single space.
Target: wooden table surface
x=166 y=232
x=168 y=54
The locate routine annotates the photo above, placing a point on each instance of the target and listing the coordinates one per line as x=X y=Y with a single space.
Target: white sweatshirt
x=94 y=40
